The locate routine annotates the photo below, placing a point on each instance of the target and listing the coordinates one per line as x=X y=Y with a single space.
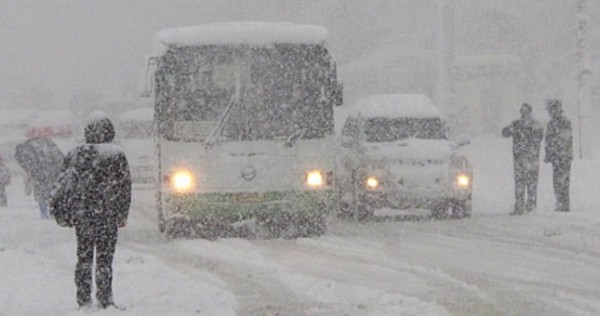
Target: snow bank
x=37 y=260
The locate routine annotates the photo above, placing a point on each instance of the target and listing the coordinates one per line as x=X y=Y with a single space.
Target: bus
x=244 y=129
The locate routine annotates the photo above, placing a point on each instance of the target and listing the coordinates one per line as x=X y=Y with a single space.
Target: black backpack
x=70 y=199
x=65 y=198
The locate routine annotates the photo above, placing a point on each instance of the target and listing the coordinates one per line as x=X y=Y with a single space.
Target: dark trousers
x=3 y=201
x=99 y=235
x=526 y=181
x=43 y=209
x=561 y=177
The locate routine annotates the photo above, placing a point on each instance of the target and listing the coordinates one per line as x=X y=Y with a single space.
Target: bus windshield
x=277 y=91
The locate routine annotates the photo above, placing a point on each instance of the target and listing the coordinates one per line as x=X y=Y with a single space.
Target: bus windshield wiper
x=295 y=137
x=214 y=134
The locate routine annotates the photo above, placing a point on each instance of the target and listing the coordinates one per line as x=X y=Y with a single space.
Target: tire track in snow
x=511 y=269
x=257 y=289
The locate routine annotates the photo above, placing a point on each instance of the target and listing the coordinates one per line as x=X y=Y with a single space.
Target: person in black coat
x=4 y=181
x=105 y=195
x=559 y=152
x=41 y=160
x=527 y=134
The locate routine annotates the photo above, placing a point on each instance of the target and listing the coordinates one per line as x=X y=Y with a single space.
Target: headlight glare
x=372 y=183
x=182 y=181
x=315 y=178
x=463 y=180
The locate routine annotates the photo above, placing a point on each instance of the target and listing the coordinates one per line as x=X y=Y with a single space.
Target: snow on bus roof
x=395 y=105
x=248 y=33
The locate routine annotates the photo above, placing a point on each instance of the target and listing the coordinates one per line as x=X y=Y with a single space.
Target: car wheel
x=462 y=209
x=364 y=211
x=443 y=211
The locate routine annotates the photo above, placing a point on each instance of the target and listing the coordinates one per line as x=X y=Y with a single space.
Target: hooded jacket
x=104 y=176
x=559 y=140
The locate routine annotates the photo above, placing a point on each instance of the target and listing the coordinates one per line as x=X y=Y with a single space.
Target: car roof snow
x=395 y=105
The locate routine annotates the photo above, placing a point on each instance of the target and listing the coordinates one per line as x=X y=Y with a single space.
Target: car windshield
x=378 y=130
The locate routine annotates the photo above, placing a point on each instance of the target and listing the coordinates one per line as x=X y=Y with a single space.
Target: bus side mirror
x=338 y=93
x=462 y=140
x=149 y=77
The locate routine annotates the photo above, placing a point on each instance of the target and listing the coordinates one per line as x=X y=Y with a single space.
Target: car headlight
x=315 y=178
x=182 y=181
x=463 y=181
x=372 y=183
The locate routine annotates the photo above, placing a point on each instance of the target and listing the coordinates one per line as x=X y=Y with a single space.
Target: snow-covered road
x=544 y=263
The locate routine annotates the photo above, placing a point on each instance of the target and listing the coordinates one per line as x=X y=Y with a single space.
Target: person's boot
x=560 y=207
x=110 y=304
x=518 y=211
x=530 y=207
x=84 y=304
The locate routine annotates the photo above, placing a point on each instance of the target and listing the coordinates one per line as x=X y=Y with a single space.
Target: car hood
x=413 y=149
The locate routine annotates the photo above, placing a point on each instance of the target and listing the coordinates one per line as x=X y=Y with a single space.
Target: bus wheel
x=172 y=228
x=311 y=226
x=179 y=228
x=462 y=209
x=443 y=211
x=364 y=211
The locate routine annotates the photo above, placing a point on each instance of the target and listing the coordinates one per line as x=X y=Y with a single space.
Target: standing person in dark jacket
x=105 y=186
x=41 y=160
x=527 y=134
x=4 y=181
x=559 y=152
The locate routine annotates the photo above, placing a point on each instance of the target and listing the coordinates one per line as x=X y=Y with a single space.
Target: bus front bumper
x=222 y=213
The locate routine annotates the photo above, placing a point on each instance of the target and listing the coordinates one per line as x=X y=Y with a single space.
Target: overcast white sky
x=61 y=47
x=58 y=48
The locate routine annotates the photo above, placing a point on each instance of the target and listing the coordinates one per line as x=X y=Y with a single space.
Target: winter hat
x=99 y=129
x=553 y=104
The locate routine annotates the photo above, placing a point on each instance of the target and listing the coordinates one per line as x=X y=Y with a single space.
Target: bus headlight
x=182 y=181
x=315 y=178
x=372 y=183
x=463 y=181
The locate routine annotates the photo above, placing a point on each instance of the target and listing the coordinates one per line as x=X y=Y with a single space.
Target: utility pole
x=444 y=91
x=582 y=69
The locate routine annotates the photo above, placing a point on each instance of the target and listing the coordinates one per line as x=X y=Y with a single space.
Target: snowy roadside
x=37 y=259
x=543 y=263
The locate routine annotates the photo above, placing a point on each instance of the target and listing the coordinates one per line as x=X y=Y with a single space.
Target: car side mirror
x=347 y=142
x=462 y=140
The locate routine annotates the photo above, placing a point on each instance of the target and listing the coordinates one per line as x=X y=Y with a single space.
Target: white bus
x=245 y=135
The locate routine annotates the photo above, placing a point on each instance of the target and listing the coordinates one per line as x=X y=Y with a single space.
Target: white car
x=396 y=154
